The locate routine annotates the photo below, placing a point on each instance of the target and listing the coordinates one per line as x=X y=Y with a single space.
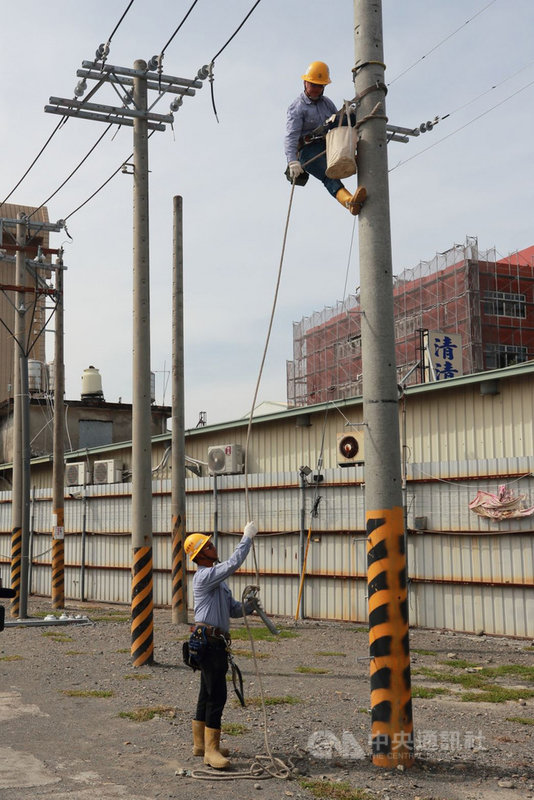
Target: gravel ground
x=68 y=694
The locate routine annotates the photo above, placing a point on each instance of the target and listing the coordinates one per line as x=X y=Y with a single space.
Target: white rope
x=263 y=766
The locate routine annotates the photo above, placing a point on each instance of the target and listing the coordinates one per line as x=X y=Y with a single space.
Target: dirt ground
x=70 y=699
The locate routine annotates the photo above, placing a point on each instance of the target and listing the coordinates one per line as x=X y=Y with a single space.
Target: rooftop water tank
x=92 y=384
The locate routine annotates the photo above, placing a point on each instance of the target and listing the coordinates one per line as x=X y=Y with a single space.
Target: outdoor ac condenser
x=76 y=474
x=225 y=459
x=106 y=472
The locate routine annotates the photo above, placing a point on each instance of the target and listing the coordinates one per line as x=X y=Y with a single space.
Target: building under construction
x=475 y=302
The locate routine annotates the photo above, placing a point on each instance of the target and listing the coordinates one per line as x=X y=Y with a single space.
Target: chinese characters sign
x=443 y=355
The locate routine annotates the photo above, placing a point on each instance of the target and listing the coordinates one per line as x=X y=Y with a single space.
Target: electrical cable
x=487 y=91
x=442 y=42
x=119 y=169
x=461 y=128
x=62 y=121
x=263 y=766
x=177 y=29
x=39 y=154
x=74 y=171
x=114 y=31
x=212 y=62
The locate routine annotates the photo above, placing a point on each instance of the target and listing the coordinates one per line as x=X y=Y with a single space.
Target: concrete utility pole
x=58 y=467
x=20 y=495
x=391 y=709
x=142 y=601
x=19 y=581
x=141 y=79
x=178 y=510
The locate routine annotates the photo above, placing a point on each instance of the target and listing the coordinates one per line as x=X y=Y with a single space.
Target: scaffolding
x=485 y=300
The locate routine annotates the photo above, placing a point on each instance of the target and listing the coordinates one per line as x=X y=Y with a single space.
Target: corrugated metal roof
x=12 y=210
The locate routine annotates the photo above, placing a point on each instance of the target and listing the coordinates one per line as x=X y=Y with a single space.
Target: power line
x=177 y=29
x=212 y=62
x=63 y=120
x=114 y=31
x=119 y=169
x=446 y=39
x=39 y=154
x=461 y=128
x=74 y=171
x=103 y=185
x=237 y=31
x=487 y=91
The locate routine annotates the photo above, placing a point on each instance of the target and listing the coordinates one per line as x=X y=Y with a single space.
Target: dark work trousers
x=317 y=168
x=213 y=691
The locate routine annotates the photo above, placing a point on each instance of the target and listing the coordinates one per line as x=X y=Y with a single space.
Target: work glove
x=250 y=530
x=295 y=169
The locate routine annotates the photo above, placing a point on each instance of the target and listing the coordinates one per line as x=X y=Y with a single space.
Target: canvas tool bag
x=341 y=148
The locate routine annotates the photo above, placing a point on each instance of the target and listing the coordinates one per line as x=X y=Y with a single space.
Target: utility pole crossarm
x=124 y=81
x=126 y=112
x=145 y=74
x=116 y=119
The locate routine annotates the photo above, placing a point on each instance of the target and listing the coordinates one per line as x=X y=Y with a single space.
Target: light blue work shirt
x=303 y=116
x=213 y=601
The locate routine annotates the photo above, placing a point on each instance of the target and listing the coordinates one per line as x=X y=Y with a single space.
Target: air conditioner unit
x=106 y=472
x=350 y=449
x=76 y=474
x=225 y=459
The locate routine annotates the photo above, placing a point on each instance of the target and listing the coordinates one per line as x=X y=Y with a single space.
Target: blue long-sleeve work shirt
x=303 y=116
x=213 y=600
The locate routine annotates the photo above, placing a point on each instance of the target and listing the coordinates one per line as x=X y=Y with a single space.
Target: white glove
x=250 y=530
x=295 y=169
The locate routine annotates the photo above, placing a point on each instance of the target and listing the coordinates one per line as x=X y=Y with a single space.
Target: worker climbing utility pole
x=391 y=708
x=179 y=584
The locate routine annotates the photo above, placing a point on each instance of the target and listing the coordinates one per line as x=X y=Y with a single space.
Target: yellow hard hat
x=317 y=72
x=194 y=543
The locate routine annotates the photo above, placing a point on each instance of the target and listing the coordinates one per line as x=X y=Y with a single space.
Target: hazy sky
x=475 y=180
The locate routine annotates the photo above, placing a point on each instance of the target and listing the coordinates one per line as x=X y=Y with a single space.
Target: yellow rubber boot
x=212 y=753
x=198 y=739
x=353 y=202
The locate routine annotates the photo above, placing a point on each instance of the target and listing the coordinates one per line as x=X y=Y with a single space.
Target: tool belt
x=212 y=632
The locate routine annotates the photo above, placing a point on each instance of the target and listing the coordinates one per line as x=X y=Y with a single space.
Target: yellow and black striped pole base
x=16 y=568
x=58 y=573
x=391 y=700
x=142 y=649
x=179 y=607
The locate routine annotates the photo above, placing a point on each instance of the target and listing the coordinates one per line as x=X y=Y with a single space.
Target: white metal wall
x=466 y=572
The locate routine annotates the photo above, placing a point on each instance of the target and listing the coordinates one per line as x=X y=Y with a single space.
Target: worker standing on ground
x=310 y=110
x=214 y=605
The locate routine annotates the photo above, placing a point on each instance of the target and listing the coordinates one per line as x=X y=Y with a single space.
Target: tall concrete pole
x=142 y=629
x=391 y=710
x=17 y=478
x=58 y=471
x=178 y=510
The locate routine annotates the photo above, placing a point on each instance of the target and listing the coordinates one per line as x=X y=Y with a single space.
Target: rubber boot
x=198 y=737
x=353 y=202
x=198 y=740
x=212 y=754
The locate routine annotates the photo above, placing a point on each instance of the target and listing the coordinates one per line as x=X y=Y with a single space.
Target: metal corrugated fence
x=466 y=572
